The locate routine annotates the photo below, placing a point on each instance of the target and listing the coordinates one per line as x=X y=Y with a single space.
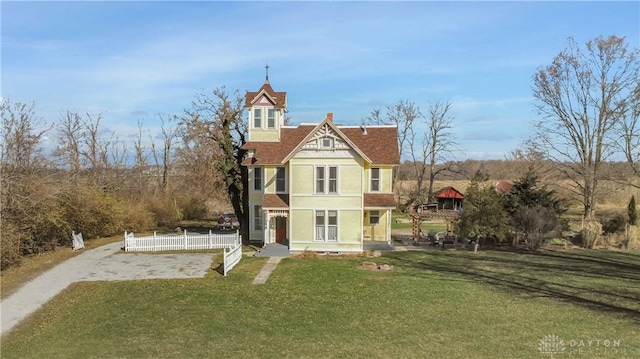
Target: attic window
x=326 y=143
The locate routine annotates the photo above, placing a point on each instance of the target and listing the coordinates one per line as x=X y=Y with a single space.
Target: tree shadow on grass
x=602 y=280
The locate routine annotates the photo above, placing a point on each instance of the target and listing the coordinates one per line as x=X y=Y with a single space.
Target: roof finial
x=266 y=80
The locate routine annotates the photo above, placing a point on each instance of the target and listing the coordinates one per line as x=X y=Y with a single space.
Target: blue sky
x=131 y=61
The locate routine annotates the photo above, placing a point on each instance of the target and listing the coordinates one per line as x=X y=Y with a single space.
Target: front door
x=281 y=229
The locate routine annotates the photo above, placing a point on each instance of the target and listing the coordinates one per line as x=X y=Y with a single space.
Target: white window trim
x=326 y=226
x=321 y=145
x=273 y=110
x=257 y=215
x=326 y=179
x=284 y=169
x=379 y=180
x=261 y=179
x=253 y=112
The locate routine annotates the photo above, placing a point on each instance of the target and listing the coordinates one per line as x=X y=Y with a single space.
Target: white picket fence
x=177 y=242
x=231 y=257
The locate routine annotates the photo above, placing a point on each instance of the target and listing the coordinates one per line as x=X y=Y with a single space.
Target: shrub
x=194 y=208
x=34 y=230
x=591 y=233
x=556 y=242
x=614 y=224
x=10 y=249
x=93 y=213
x=164 y=211
x=137 y=218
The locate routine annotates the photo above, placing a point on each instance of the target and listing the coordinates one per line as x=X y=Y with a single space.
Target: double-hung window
x=327 y=179
x=257 y=217
x=281 y=180
x=326 y=223
x=257 y=117
x=271 y=118
x=375 y=180
x=257 y=178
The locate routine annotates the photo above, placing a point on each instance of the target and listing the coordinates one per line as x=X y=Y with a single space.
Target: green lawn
x=438 y=304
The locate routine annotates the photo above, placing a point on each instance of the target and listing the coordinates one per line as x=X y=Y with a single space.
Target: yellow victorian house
x=317 y=187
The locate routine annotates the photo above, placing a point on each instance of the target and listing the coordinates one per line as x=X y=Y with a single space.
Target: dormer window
x=271 y=118
x=326 y=143
x=257 y=117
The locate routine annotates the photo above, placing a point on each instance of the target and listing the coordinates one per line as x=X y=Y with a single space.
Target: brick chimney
x=330 y=116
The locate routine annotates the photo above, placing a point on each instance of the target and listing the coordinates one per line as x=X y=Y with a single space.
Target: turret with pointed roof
x=266 y=109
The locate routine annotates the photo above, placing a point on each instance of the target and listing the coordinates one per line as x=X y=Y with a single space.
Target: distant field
x=614 y=197
x=437 y=303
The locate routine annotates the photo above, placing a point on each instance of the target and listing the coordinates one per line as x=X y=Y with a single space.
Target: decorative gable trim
x=318 y=140
x=264 y=95
x=326 y=127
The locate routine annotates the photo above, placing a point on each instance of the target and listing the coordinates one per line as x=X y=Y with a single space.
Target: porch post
x=389 y=226
x=265 y=226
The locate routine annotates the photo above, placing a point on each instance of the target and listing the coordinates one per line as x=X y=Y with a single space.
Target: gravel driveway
x=100 y=264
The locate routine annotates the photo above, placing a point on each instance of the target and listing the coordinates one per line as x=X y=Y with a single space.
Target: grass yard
x=438 y=304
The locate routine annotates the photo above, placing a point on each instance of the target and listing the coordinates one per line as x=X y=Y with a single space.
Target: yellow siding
x=303 y=174
x=376 y=232
x=265 y=135
x=350 y=179
x=350 y=226
x=325 y=247
x=302 y=231
x=325 y=202
x=301 y=178
x=387 y=179
x=270 y=178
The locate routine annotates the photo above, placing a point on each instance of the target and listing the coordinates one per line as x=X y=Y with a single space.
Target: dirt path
x=103 y=263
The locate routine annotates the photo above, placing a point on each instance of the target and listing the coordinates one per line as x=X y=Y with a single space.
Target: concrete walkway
x=266 y=271
x=103 y=263
x=273 y=250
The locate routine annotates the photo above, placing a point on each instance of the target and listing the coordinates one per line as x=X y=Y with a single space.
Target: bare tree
x=439 y=140
x=218 y=119
x=29 y=220
x=21 y=157
x=168 y=136
x=581 y=97
x=630 y=132
x=69 y=136
x=196 y=156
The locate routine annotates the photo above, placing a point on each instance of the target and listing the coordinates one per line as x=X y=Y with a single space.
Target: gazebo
x=449 y=198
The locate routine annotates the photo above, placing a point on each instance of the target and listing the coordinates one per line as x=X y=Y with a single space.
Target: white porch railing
x=231 y=257
x=176 y=242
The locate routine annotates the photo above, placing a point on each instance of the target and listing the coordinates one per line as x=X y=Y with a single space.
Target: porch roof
x=379 y=200
x=276 y=201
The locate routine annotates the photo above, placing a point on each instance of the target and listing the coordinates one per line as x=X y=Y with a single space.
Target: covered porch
x=275 y=209
x=376 y=222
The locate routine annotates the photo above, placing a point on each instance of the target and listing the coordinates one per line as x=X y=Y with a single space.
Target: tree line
x=588 y=103
x=69 y=176
x=588 y=100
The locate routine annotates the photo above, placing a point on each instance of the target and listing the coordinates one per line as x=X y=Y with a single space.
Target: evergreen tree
x=484 y=216
x=534 y=210
x=633 y=215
